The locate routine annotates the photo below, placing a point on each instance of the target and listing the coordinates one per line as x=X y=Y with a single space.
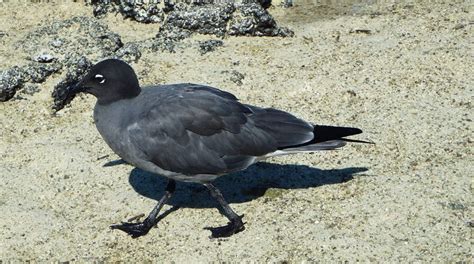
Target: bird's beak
x=75 y=89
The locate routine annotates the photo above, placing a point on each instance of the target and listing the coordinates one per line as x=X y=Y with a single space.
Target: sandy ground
x=408 y=84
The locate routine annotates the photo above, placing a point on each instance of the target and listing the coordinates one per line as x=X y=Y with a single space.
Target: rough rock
x=10 y=81
x=130 y=52
x=84 y=35
x=203 y=19
x=72 y=43
x=287 y=3
x=77 y=68
x=254 y=20
x=13 y=79
x=43 y=58
x=83 y=39
x=38 y=72
x=140 y=11
x=209 y=45
x=265 y=3
x=29 y=89
x=168 y=37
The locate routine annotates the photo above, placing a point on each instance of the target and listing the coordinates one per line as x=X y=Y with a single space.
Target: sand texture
x=402 y=73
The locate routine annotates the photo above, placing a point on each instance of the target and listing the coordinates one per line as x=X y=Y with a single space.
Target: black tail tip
x=325 y=133
x=354 y=130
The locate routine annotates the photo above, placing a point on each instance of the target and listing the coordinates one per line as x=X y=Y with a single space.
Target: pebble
x=44 y=58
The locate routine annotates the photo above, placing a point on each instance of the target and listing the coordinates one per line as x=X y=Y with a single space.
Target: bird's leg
x=234 y=226
x=141 y=228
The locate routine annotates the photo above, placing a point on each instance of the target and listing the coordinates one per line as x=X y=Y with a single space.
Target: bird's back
x=190 y=129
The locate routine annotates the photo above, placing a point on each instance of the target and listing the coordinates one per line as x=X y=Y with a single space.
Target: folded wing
x=195 y=129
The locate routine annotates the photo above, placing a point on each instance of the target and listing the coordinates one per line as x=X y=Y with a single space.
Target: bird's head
x=109 y=80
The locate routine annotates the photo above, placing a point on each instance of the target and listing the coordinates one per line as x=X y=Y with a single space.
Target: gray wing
x=194 y=129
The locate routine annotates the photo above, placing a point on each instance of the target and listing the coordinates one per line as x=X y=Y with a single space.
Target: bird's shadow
x=243 y=186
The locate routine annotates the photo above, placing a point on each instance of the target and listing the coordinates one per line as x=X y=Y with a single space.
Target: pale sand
x=408 y=85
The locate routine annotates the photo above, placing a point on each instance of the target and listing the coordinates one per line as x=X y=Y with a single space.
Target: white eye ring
x=100 y=77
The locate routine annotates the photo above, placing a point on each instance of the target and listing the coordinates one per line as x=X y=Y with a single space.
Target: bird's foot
x=233 y=227
x=133 y=229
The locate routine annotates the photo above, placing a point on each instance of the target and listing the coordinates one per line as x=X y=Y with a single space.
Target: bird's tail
x=325 y=138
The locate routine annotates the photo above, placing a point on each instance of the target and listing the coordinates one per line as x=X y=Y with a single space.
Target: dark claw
x=228 y=230
x=133 y=229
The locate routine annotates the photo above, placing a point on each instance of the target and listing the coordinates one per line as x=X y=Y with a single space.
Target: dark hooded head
x=110 y=80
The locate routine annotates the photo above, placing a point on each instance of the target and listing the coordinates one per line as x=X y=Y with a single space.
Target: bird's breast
x=109 y=124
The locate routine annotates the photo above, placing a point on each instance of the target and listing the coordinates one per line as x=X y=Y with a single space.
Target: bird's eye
x=100 y=78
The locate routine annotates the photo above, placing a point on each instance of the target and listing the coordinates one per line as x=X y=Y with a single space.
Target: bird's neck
x=124 y=94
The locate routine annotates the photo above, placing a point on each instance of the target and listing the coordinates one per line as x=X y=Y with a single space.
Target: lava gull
x=193 y=133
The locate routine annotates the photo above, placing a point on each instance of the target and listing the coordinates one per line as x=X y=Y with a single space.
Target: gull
x=193 y=133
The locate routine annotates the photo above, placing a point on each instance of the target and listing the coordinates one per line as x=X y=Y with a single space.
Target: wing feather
x=198 y=130
x=195 y=129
